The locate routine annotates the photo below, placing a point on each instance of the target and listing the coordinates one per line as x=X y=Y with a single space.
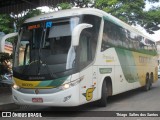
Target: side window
x=88 y=40
x=107 y=34
x=117 y=36
x=113 y=35
x=94 y=31
x=85 y=47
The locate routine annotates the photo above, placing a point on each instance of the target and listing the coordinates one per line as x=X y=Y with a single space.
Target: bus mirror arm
x=77 y=31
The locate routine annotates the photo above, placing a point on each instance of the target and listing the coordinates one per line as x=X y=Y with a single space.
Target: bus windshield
x=44 y=49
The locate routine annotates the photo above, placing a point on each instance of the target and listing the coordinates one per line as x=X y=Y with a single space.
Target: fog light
x=66 y=98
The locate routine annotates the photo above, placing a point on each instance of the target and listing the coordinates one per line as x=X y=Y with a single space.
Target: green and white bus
x=72 y=57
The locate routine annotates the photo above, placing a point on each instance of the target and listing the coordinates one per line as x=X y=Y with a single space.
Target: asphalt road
x=135 y=100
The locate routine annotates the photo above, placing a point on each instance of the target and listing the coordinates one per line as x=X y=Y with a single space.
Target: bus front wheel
x=103 y=101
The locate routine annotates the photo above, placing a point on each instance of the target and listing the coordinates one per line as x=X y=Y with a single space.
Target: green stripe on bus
x=55 y=83
x=128 y=65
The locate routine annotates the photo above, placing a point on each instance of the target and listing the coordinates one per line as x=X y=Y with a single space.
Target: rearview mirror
x=77 y=31
x=2 y=41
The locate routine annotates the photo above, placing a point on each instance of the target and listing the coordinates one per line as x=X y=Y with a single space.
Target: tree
x=151 y=20
x=21 y=17
x=83 y=3
x=63 y=6
x=6 y=23
x=132 y=12
x=129 y=11
x=152 y=1
x=74 y=3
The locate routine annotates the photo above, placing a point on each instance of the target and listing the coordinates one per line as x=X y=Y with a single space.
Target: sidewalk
x=6 y=101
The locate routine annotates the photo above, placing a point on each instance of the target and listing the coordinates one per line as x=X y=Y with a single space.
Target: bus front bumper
x=68 y=97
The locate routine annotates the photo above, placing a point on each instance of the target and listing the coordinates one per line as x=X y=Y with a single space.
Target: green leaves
x=126 y=10
x=6 y=23
x=64 y=6
x=132 y=12
x=28 y=14
x=151 y=20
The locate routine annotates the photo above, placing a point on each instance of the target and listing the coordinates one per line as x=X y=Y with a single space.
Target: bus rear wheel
x=148 y=83
x=151 y=80
x=103 y=101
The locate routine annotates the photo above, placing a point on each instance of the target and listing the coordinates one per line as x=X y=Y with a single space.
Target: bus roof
x=65 y=13
x=81 y=11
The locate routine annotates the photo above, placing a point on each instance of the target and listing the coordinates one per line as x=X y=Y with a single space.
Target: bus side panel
x=86 y=87
x=107 y=62
x=135 y=66
x=125 y=71
x=145 y=64
x=129 y=70
x=121 y=67
x=105 y=68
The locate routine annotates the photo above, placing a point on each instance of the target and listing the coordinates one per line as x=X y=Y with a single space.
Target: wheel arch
x=109 y=85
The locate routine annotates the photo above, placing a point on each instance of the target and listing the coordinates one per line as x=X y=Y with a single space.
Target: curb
x=9 y=106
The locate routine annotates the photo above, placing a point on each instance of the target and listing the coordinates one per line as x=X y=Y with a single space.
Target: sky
x=155 y=36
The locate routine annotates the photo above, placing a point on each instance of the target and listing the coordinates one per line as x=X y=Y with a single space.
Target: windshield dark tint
x=45 y=48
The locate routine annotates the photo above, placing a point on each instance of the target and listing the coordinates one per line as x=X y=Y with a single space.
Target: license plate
x=39 y=100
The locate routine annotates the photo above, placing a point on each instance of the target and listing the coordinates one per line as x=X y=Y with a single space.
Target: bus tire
x=151 y=80
x=148 y=83
x=103 y=101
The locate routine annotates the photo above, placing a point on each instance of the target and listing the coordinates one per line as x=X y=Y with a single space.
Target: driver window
x=84 y=48
x=88 y=40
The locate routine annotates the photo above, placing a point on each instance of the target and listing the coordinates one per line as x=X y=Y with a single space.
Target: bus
x=76 y=56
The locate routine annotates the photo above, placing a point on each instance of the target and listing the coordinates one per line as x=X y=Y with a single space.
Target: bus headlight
x=66 y=86
x=70 y=84
x=15 y=86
